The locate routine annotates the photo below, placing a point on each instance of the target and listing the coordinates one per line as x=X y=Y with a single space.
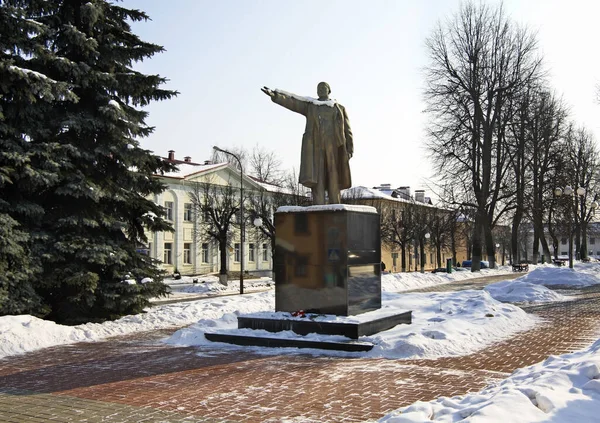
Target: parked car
x=483 y=264
x=440 y=270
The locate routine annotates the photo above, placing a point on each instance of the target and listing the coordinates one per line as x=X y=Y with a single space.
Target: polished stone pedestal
x=328 y=259
x=327 y=262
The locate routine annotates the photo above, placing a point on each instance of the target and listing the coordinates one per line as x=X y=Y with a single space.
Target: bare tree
x=479 y=61
x=441 y=224
x=266 y=166
x=242 y=153
x=398 y=227
x=214 y=208
x=583 y=167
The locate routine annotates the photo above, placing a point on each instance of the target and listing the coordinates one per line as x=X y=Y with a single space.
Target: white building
x=178 y=250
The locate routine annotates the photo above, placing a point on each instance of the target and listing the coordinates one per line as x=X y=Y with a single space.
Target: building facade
x=185 y=250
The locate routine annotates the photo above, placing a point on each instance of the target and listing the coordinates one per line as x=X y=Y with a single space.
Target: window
x=237 y=252
x=168 y=253
x=169 y=210
x=150 y=249
x=301 y=223
x=251 y=252
x=301 y=268
x=592 y=241
x=265 y=252
x=431 y=258
x=187 y=212
x=563 y=253
x=205 y=252
x=563 y=241
x=187 y=253
x=206 y=215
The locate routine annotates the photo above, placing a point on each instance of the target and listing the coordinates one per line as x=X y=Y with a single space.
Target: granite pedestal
x=328 y=259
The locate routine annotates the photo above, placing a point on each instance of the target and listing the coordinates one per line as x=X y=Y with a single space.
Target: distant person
x=382 y=266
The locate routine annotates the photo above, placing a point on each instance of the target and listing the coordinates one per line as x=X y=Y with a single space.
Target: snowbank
x=19 y=334
x=557 y=276
x=521 y=291
x=396 y=282
x=561 y=389
x=444 y=324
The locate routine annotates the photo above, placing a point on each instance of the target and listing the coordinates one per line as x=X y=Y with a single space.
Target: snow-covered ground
x=191 y=287
x=439 y=319
x=565 y=388
x=562 y=388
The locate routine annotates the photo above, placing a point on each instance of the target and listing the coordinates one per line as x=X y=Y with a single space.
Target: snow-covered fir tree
x=70 y=100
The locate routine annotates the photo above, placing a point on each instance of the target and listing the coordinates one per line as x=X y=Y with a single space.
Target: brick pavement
x=138 y=379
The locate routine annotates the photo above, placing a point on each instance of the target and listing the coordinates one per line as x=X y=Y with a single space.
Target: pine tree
x=95 y=202
x=25 y=167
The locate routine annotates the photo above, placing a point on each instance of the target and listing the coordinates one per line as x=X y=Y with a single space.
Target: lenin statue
x=326 y=144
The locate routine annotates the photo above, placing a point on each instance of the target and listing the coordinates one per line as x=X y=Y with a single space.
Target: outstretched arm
x=288 y=101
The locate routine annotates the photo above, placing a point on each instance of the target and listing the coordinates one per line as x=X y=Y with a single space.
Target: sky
x=220 y=53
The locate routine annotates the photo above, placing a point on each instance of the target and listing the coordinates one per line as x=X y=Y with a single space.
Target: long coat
x=312 y=143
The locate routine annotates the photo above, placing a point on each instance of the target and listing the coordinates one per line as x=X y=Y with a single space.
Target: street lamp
x=569 y=191
x=241 y=215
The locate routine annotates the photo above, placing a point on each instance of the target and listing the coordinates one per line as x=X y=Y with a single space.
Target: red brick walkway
x=138 y=379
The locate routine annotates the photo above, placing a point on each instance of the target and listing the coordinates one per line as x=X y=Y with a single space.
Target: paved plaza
x=137 y=378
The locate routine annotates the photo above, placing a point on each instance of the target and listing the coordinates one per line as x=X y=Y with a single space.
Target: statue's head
x=323 y=90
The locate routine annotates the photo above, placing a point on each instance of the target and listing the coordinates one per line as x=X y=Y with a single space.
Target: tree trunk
x=403 y=259
x=489 y=242
x=223 y=255
x=584 y=246
x=535 y=250
x=477 y=242
x=514 y=236
x=422 y=255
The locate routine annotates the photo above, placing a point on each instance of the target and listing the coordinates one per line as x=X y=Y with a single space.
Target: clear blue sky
x=220 y=53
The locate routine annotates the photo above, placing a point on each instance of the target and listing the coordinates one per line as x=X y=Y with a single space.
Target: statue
x=327 y=143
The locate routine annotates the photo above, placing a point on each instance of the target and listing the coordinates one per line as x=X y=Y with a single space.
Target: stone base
x=289 y=343
x=351 y=330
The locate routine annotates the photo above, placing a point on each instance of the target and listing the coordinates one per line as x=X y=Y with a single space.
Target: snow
x=327 y=207
x=522 y=291
x=185 y=169
x=114 y=104
x=329 y=103
x=549 y=275
x=23 y=71
x=444 y=324
x=395 y=282
x=19 y=334
x=563 y=388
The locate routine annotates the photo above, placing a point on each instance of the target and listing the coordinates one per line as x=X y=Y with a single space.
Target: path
x=137 y=379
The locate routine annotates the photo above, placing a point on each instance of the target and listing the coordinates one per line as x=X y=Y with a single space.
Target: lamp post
x=569 y=192
x=496 y=258
x=241 y=215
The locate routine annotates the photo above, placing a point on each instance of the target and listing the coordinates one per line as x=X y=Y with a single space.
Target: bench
x=559 y=262
x=520 y=267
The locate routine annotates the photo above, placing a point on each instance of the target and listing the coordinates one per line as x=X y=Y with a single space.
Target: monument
x=328 y=256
